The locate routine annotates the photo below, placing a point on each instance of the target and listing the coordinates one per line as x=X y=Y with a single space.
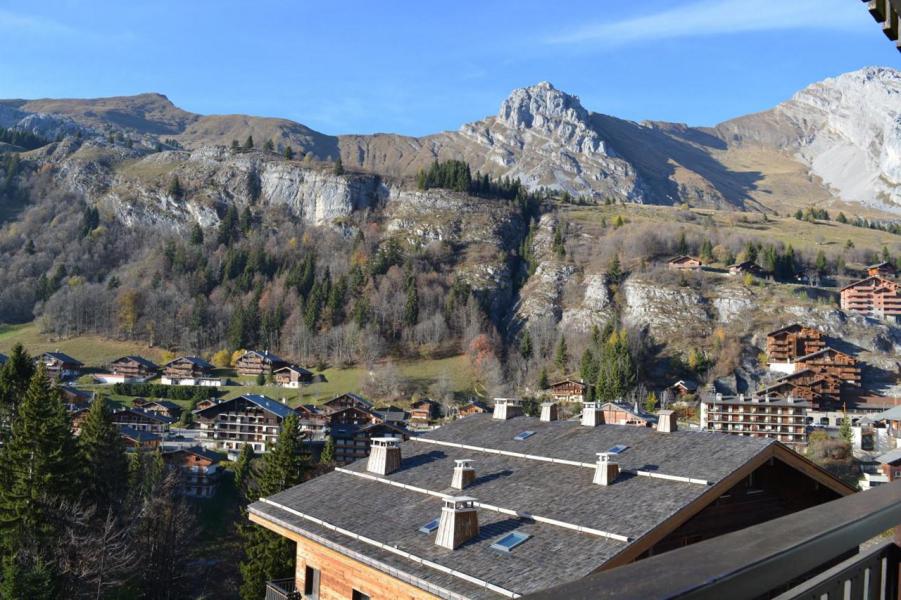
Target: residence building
x=127 y=369
x=60 y=365
x=345 y=401
x=167 y=408
x=787 y=344
x=189 y=370
x=784 y=420
x=482 y=508
x=883 y=269
x=138 y=419
x=568 y=390
x=256 y=362
x=248 y=419
x=747 y=267
x=829 y=362
x=683 y=263
x=393 y=415
x=684 y=387
x=874 y=297
x=136 y=439
x=199 y=469
x=473 y=407
x=292 y=376
x=313 y=422
x=618 y=414
x=423 y=412
x=353 y=441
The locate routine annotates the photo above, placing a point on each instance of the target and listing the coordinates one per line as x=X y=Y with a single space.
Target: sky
x=417 y=67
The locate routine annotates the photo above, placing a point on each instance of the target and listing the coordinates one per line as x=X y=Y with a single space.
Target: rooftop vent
x=591 y=416
x=506 y=408
x=459 y=522
x=384 y=455
x=606 y=471
x=464 y=474
x=549 y=411
x=666 y=421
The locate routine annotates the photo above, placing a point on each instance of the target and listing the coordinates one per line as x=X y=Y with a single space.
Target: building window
x=357 y=595
x=311 y=583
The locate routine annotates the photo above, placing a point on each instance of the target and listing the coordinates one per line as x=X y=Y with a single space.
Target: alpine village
x=552 y=354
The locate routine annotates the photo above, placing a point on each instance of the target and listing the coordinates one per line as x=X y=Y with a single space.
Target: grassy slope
x=93 y=351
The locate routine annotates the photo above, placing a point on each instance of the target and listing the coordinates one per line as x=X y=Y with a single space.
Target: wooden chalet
x=256 y=362
x=684 y=263
x=248 y=419
x=816 y=387
x=292 y=376
x=352 y=442
x=77 y=414
x=133 y=368
x=423 y=412
x=60 y=365
x=73 y=395
x=684 y=387
x=874 y=297
x=166 y=408
x=312 y=421
x=747 y=267
x=393 y=415
x=345 y=401
x=883 y=269
x=188 y=370
x=786 y=344
x=568 y=390
x=137 y=439
x=473 y=407
x=479 y=548
x=352 y=415
x=831 y=362
x=199 y=468
x=619 y=414
x=206 y=403
x=141 y=420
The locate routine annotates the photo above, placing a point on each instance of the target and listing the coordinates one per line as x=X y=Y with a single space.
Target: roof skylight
x=618 y=449
x=429 y=527
x=510 y=541
x=523 y=435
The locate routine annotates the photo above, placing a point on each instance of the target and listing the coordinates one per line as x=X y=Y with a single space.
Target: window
x=358 y=595
x=510 y=541
x=430 y=526
x=524 y=435
x=618 y=449
x=311 y=583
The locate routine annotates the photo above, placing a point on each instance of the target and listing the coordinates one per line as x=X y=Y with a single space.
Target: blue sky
x=415 y=67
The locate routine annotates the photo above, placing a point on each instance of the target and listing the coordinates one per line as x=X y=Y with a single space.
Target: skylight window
x=429 y=527
x=510 y=541
x=524 y=435
x=618 y=449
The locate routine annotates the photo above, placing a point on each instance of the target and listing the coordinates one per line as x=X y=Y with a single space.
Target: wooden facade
x=830 y=362
x=759 y=416
x=883 y=269
x=792 y=342
x=616 y=414
x=134 y=367
x=352 y=441
x=60 y=366
x=472 y=408
x=248 y=419
x=187 y=367
x=684 y=263
x=875 y=297
x=159 y=407
x=255 y=362
x=199 y=470
x=568 y=390
x=345 y=401
x=423 y=412
x=291 y=376
x=139 y=440
x=140 y=420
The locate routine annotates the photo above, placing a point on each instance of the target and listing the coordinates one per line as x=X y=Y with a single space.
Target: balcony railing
x=811 y=554
x=282 y=589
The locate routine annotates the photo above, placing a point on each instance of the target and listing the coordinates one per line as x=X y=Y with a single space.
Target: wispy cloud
x=12 y=22
x=715 y=17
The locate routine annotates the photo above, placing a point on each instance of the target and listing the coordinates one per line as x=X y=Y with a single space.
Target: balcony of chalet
x=840 y=550
x=282 y=589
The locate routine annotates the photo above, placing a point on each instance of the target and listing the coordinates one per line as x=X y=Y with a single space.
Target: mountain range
x=835 y=143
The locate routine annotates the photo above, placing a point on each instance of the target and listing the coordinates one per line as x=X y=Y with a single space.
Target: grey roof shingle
x=633 y=506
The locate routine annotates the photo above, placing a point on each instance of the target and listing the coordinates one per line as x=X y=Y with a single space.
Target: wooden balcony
x=811 y=554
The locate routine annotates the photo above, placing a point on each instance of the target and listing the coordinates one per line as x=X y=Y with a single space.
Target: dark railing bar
x=750 y=562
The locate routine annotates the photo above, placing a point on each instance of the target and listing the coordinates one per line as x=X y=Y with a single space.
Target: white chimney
x=666 y=421
x=459 y=522
x=591 y=416
x=506 y=408
x=384 y=455
x=464 y=474
x=548 y=411
x=606 y=471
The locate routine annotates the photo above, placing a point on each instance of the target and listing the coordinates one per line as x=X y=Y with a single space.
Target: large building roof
x=540 y=485
x=265 y=402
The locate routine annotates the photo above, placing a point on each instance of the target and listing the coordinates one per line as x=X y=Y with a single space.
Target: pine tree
x=269 y=555
x=103 y=458
x=269 y=146
x=543 y=382
x=37 y=466
x=197 y=235
x=821 y=263
x=289 y=153
x=328 y=451
x=614 y=270
x=244 y=472
x=15 y=375
x=411 y=306
x=525 y=344
x=682 y=244
x=561 y=356
x=841 y=218
x=339 y=167
x=248 y=143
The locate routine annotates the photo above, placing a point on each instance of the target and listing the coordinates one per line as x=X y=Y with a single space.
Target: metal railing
x=282 y=589
x=811 y=554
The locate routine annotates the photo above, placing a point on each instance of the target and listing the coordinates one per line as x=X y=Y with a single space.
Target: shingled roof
x=540 y=485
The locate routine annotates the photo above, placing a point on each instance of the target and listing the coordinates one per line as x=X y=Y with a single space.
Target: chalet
x=883 y=269
x=127 y=369
x=189 y=370
x=256 y=362
x=831 y=362
x=352 y=442
x=393 y=415
x=568 y=390
x=167 y=408
x=345 y=401
x=60 y=365
x=874 y=297
x=77 y=414
x=141 y=420
x=747 y=268
x=784 y=420
x=73 y=395
x=888 y=469
x=292 y=376
x=684 y=387
x=205 y=403
x=785 y=345
x=814 y=387
x=683 y=263
x=423 y=412
x=528 y=489
x=618 y=414
x=249 y=419
x=200 y=471
x=352 y=415
x=892 y=420
x=313 y=422
x=473 y=407
x=784 y=389
x=136 y=439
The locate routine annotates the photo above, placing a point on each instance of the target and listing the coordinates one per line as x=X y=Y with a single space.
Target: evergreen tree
x=799 y=215
x=650 y=402
x=821 y=263
x=269 y=146
x=289 y=153
x=614 y=270
x=38 y=467
x=175 y=190
x=248 y=143
x=103 y=458
x=682 y=244
x=267 y=554
x=543 y=382
x=339 y=167
x=244 y=472
x=707 y=251
x=561 y=355
x=235 y=145
x=411 y=306
x=15 y=375
x=197 y=235
x=841 y=218
x=328 y=451
x=525 y=344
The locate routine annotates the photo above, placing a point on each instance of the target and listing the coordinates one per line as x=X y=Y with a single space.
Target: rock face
x=664 y=310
